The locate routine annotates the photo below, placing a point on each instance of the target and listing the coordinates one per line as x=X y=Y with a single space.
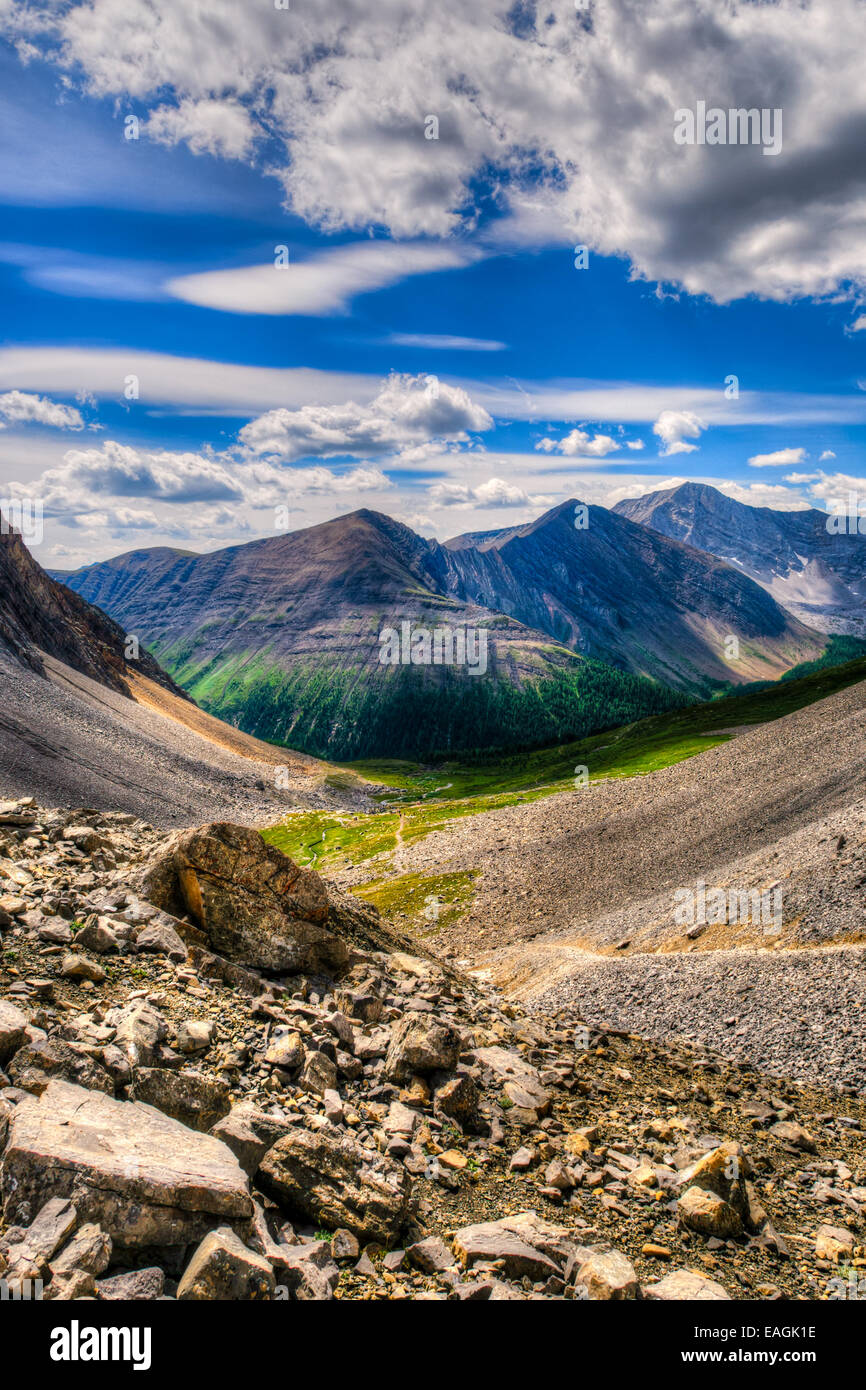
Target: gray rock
x=146 y=1179
x=327 y=1176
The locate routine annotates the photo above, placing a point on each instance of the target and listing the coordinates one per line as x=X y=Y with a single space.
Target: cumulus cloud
x=579 y=444
x=675 y=427
x=827 y=454
x=118 y=470
x=406 y=412
x=567 y=115
x=781 y=458
x=831 y=490
x=322 y=284
x=495 y=492
x=222 y=128
x=22 y=408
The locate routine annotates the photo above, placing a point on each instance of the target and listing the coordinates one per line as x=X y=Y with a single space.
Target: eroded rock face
x=33 y=1067
x=253 y=904
x=327 y=1176
x=143 y=1177
x=194 y=1099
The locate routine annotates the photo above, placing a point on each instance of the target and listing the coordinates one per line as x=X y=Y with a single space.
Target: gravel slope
x=68 y=741
x=581 y=863
x=798 y=1014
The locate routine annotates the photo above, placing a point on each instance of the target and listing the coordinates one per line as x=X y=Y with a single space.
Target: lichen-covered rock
x=189 y=1096
x=708 y=1214
x=39 y=1062
x=222 y=1268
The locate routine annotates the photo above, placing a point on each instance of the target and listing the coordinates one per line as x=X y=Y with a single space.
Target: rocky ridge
x=353 y=1119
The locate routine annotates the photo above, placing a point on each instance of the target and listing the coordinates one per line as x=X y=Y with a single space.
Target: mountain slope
x=625 y=595
x=282 y=636
x=81 y=726
x=38 y=615
x=816 y=574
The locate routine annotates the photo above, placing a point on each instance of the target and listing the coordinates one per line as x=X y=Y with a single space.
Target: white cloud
x=535 y=96
x=579 y=444
x=19 y=407
x=495 y=492
x=634 y=444
x=118 y=470
x=190 y=383
x=675 y=427
x=782 y=499
x=407 y=411
x=781 y=458
x=858 y=325
x=202 y=386
x=322 y=284
x=440 y=342
x=827 y=454
x=832 y=489
x=209 y=127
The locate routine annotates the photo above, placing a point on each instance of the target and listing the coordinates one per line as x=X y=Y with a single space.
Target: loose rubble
x=194 y=1108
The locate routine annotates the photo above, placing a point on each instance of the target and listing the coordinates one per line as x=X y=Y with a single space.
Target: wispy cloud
x=322 y=284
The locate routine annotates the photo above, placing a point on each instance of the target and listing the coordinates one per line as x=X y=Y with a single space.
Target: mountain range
x=592 y=619
x=816 y=573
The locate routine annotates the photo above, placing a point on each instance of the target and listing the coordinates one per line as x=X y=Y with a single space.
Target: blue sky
x=430 y=349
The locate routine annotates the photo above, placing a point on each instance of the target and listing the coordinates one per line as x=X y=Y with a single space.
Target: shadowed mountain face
x=626 y=595
x=282 y=636
x=817 y=574
x=39 y=615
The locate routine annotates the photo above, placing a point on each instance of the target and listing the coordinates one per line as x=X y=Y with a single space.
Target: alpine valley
x=593 y=620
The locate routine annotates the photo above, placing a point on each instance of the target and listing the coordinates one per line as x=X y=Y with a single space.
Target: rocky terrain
x=293 y=1101
x=779 y=804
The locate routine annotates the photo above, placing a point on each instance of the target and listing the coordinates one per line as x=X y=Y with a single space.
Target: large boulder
x=327 y=1176
x=143 y=1177
x=421 y=1043
x=251 y=902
